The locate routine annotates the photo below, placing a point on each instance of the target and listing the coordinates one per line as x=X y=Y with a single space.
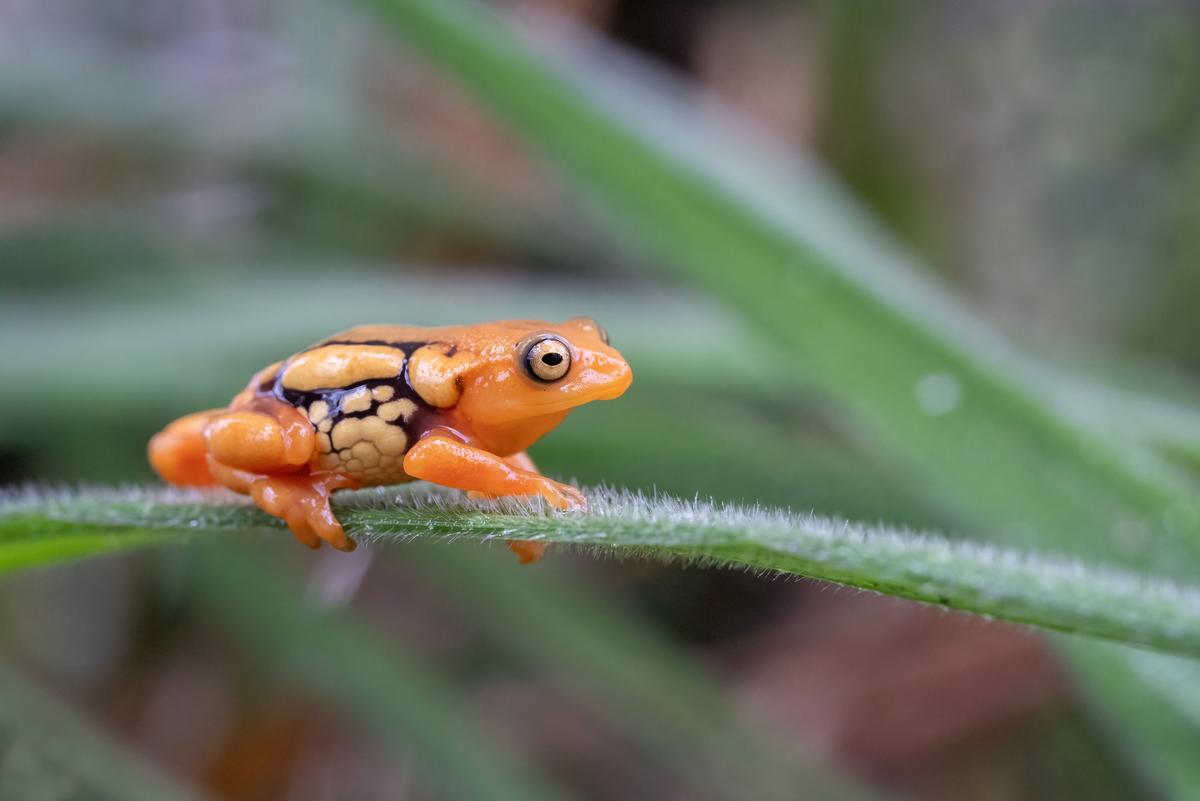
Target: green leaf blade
x=1029 y=588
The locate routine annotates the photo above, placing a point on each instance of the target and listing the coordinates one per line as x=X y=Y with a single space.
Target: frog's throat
x=512 y=437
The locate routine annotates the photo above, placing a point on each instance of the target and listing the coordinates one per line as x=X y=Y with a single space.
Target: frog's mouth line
x=608 y=390
x=610 y=393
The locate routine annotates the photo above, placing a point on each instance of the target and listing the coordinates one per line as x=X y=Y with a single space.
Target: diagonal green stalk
x=1167 y=717
x=1045 y=591
x=789 y=250
x=853 y=318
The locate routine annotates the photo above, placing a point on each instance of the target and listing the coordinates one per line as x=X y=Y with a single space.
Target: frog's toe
x=563 y=497
x=303 y=502
x=298 y=524
x=527 y=551
x=312 y=526
x=326 y=526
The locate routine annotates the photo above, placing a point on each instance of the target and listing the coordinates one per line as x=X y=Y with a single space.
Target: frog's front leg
x=445 y=460
x=442 y=459
x=527 y=551
x=521 y=461
x=263 y=449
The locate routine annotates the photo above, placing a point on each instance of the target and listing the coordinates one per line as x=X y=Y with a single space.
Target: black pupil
x=552 y=359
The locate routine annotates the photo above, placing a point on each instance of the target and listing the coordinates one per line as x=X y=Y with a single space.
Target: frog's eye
x=603 y=335
x=548 y=359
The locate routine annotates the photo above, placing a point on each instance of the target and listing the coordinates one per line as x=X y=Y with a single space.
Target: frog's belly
x=369 y=449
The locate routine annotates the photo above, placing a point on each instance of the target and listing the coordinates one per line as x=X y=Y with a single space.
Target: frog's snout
x=609 y=376
x=618 y=381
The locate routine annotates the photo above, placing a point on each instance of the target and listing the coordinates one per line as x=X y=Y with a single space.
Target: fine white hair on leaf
x=1028 y=587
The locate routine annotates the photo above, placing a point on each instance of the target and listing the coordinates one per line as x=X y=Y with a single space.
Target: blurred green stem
x=948 y=399
x=49 y=752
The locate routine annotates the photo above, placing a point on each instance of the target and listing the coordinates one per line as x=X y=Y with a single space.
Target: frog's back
x=398 y=336
x=353 y=389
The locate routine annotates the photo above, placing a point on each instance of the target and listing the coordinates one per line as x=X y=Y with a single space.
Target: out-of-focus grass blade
x=935 y=388
x=626 y=673
x=1165 y=719
x=664 y=437
x=332 y=654
x=50 y=752
x=1027 y=588
x=301 y=127
x=183 y=348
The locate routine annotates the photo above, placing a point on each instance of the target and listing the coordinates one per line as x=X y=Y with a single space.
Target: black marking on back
x=407 y=347
x=424 y=419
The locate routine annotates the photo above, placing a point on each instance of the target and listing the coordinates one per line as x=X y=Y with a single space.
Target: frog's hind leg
x=266 y=437
x=263 y=449
x=178 y=453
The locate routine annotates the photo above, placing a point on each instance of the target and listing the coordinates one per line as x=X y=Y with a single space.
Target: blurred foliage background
x=191 y=190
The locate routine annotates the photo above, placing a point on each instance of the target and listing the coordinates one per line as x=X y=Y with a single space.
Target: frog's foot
x=527 y=551
x=303 y=502
x=262 y=448
x=178 y=453
x=445 y=460
x=561 y=496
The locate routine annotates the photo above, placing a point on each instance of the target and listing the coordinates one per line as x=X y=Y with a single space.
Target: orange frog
x=383 y=404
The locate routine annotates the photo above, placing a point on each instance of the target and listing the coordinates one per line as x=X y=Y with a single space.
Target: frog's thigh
x=258 y=441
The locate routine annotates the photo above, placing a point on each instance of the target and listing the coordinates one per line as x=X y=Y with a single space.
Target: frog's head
x=529 y=374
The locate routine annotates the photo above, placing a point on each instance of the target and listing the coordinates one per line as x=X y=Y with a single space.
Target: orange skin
x=456 y=406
